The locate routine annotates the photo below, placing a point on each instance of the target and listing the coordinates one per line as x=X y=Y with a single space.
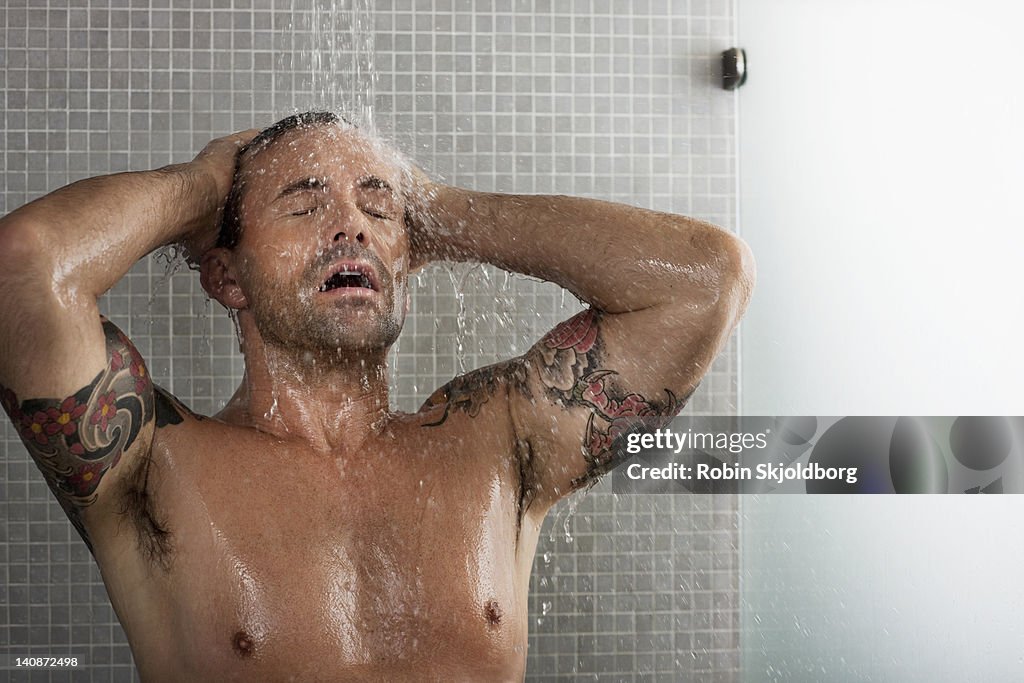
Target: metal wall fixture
x=734 y=68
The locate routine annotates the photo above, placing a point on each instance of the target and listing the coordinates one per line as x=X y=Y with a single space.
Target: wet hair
x=230 y=230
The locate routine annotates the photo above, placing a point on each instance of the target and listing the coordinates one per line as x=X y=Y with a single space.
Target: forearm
x=87 y=235
x=616 y=257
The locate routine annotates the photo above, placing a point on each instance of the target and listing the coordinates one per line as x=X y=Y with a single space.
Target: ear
x=217 y=275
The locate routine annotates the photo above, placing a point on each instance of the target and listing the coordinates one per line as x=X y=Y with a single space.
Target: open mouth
x=350 y=276
x=344 y=279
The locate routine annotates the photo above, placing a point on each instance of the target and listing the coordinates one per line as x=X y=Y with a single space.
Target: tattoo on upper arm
x=468 y=393
x=169 y=410
x=75 y=441
x=569 y=364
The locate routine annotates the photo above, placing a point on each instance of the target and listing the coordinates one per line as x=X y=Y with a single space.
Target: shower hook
x=734 y=68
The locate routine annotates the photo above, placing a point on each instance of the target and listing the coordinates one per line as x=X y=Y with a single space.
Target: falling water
x=506 y=309
x=342 y=59
x=334 y=59
x=570 y=506
x=460 y=318
x=335 y=62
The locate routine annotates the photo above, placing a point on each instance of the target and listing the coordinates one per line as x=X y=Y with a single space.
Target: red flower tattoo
x=611 y=417
x=64 y=418
x=86 y=478
x=33 y=427
x=591 y=390
x=136 y=366
x=564 y=350
x=578 y=333
x=138 y=370
x=105 y=409
x=635 y=405
x=598 y=442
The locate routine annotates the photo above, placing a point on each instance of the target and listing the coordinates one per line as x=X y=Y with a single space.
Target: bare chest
x=400 y=561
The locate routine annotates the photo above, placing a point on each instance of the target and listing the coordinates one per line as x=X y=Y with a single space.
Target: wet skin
x=305 y=532
x=402 y=561
x=321 y=536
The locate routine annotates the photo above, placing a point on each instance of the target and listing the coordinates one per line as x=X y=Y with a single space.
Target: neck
x=329 y=400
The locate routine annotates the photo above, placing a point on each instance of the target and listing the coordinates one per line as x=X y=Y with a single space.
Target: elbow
x=17 y=238
x=739 y=274
x=720 y=287
x=726 y=300
x=720 y=280
x=24 y=257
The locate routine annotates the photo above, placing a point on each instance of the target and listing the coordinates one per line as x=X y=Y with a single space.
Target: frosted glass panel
x=880 y=143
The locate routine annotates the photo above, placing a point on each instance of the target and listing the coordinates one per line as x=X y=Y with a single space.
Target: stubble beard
x=291 y=319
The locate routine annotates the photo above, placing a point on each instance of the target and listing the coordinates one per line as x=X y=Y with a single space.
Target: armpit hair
x=139 y=507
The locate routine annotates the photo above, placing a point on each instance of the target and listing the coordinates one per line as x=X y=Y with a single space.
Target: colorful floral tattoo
x=471 y=391
x=570 y=357
x=568 y=360
x=76 y=440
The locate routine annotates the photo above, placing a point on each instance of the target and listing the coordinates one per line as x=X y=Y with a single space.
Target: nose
x=344 y=222
x=356 y=234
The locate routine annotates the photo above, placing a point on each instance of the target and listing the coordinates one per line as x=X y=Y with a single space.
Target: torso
x=407 y=561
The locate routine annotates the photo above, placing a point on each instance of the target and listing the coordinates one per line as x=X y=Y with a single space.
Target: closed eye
x=305 y=212
x=377 y=214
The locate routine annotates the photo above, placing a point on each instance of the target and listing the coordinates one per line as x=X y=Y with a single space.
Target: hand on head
x=217 y=159
x=419 y=193
x=215 y=166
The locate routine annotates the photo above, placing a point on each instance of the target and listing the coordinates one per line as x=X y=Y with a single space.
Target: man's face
x=323 y=256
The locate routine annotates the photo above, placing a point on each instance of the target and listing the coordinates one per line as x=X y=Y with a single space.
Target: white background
x=880 y=182
x=881 y=185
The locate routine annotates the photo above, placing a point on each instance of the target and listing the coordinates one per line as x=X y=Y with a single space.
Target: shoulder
x=481 y=391
x=85 y=439
x=171 y=411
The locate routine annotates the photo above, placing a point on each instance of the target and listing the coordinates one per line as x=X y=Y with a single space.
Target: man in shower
x=306 y=532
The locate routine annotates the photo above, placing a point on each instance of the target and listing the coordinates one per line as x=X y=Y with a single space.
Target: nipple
x=493 y=612
x=242 y=643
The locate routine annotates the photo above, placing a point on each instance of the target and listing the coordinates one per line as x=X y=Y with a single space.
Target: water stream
x=333 y=63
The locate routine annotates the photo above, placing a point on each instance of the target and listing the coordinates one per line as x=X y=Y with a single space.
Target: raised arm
x=76 y=389
x=664 y=294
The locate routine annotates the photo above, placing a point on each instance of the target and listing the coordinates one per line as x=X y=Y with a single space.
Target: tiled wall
x=605 y=98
